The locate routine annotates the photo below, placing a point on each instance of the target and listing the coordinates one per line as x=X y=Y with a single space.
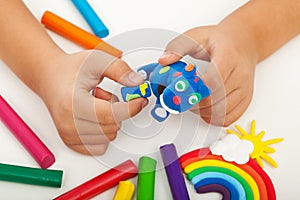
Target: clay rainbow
x=211 y=173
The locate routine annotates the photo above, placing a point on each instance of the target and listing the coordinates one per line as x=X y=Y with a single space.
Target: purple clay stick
x=174 y=173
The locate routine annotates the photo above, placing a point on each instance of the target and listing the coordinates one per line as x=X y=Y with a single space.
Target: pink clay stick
x=25 y=135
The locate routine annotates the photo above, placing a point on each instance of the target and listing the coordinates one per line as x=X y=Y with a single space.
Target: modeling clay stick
x=91 y=18
x=76 y=34
x=102 y=182
x=34 y=176
x=124 y=191
x=25 y=135
x=146 y=178
x=174 y=173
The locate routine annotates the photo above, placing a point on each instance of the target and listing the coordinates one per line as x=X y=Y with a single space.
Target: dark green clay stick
x=33 y=176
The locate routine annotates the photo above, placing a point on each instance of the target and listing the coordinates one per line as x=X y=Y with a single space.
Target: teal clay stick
x=91 y=18
x=146 y=178
x=33 y=176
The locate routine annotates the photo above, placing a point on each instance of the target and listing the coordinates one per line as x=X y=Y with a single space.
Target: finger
x=239 y=80
x=88 y=139
x=126 y=110
x=224 y=106
x=231 y=117
x=202 y=55
x=105 y=95
x=92 y=139
x=209 y=101
x=99 y=64
x=193 y=42
x=102 y=94
x=84 y=127
x=196 y=108
x=114 y=99
x=92 y=69
x=217 y=73
x=109 y=113
x=90 y=149
x=237 y=112
x=232 y=84
x=120 y=72
x=168 y=58
x=104 y=112
x=177 y=48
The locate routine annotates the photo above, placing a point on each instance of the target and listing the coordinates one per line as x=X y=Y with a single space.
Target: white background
x=275 y=106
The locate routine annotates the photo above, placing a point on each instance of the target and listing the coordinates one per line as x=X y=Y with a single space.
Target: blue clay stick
x=174 y=173
x=91 y=18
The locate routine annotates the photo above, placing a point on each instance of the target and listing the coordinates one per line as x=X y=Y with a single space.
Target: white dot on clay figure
x=143 y=74
x=161 y=112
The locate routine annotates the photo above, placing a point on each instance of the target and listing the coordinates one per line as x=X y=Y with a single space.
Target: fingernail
x=135 y=78
x=166 y=55
x=145 y=103
x=93 y=92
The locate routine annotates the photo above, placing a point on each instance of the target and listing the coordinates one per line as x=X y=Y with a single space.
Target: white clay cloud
x=233 y=149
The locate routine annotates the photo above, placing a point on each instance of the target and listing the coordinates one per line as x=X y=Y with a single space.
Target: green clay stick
x=33 y=176
x=146 y=178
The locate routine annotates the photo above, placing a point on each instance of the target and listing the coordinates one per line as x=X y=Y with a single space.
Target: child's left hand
x=230 y=74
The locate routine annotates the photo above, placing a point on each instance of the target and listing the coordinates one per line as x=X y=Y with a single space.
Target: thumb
x=176 y=49
x=193 y=42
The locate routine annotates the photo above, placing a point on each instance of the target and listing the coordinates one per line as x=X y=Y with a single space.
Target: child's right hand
x=87 y=123
x=230 y=74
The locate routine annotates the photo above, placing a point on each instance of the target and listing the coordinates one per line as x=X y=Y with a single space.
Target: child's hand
x=230 y=74
x=86 y=124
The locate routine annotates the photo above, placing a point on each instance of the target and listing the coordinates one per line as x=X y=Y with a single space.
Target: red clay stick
x=102 y=182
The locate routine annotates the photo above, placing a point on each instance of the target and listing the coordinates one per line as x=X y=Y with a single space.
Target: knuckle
x=101 y=150
x=227 y=123
x=108 y=118
x=112 y=136
x=68 y=134
x=69 y=139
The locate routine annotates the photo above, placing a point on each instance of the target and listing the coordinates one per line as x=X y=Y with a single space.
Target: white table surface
x=275 y=106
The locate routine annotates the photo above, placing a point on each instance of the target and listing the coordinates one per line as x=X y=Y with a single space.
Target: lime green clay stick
x=33 y=176
x=146 y=178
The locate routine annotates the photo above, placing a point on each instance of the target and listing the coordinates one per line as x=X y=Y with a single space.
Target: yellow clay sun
x=261 y=148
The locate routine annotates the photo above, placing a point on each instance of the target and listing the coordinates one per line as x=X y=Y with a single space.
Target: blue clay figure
x=177 y=88
x=129 y=93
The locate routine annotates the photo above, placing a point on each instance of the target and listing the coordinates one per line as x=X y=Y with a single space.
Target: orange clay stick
x=76 y=34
